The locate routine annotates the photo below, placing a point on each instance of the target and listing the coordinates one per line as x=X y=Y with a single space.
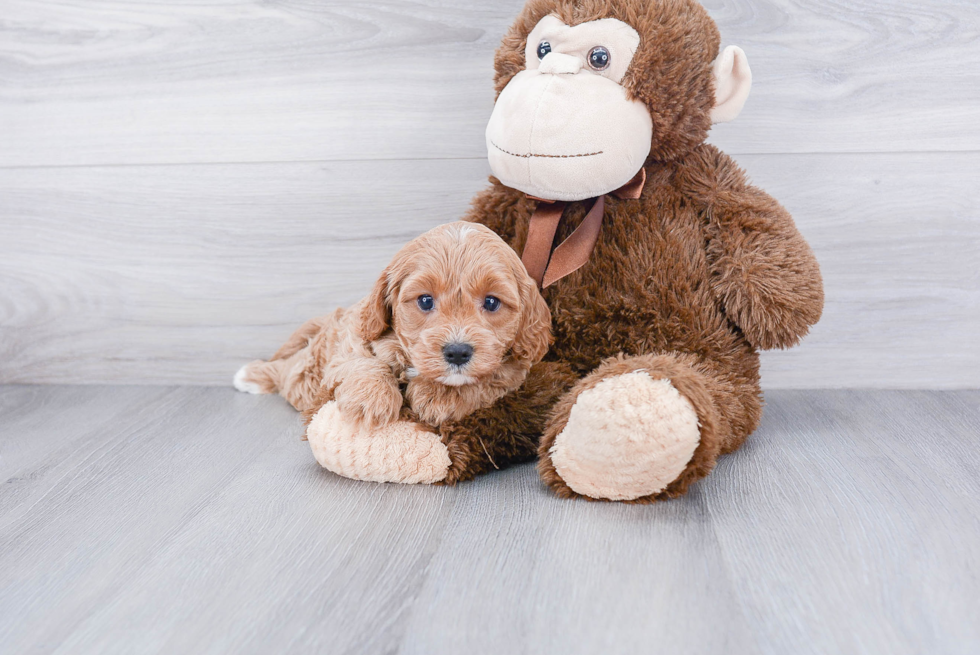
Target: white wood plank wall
x=182 y=183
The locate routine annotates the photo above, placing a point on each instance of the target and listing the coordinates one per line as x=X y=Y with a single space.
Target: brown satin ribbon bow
x=547 y=266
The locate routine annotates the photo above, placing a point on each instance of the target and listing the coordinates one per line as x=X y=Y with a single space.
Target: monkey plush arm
x=408 y=451
x=507 y=432
x=762 y=270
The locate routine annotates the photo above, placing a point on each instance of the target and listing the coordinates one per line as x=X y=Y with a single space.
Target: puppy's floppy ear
x=534 y=331
x=375 y=318
x=376 y=315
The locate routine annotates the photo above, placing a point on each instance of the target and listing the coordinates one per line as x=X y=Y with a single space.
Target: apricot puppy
x=451 y=325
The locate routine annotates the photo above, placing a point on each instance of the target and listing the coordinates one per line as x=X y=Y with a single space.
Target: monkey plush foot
x=627 y=437
x=398 y=452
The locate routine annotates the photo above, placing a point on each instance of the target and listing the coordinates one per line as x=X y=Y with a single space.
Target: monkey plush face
x=589 y=92
x=564 y=128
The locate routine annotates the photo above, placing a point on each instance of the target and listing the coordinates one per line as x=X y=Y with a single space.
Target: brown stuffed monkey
x=664 y=270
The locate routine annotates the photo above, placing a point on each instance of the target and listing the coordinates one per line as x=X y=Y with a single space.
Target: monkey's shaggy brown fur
x=686 y=283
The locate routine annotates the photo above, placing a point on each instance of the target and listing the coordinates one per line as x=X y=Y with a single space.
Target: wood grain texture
x=158 y=274
x=179 y=274
x=47 y=433
x=338 y=130
x=197 y=521
x=123 y=82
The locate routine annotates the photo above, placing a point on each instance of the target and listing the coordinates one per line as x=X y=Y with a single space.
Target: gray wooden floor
x=180 y=520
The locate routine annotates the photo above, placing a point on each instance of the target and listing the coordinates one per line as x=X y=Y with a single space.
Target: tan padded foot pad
x=629 y=436
x=398 y=452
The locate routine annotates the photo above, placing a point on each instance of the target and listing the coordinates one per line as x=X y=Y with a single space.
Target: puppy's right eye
x=425 y=302
x=491 y=304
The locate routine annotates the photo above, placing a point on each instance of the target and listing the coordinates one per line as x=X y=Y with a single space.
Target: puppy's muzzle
x=457 y=354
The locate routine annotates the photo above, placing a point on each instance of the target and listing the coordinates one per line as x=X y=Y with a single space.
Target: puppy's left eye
x=491 y=304
x=425 y=302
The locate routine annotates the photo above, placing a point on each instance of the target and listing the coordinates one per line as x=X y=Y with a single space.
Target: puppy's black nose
x=457 y=353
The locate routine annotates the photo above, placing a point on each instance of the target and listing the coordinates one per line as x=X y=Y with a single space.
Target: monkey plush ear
x=733 y=80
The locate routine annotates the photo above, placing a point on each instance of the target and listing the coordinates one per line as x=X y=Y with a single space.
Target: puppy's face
x=461 y=304
x=457 y=312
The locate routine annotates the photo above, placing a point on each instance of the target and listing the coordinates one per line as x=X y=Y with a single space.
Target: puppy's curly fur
x=388 y=350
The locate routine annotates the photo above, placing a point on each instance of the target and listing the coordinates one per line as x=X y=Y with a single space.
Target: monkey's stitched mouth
x=532 y=154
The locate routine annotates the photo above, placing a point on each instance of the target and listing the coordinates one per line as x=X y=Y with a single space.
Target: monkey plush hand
x=664 y=269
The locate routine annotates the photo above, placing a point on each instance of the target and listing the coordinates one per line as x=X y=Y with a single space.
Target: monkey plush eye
x=425 y=302
x=543 y=48
x=599 y=58
x=491 y=304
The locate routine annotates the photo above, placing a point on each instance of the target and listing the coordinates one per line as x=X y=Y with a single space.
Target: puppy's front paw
x=373 y=400
x=397 y=452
